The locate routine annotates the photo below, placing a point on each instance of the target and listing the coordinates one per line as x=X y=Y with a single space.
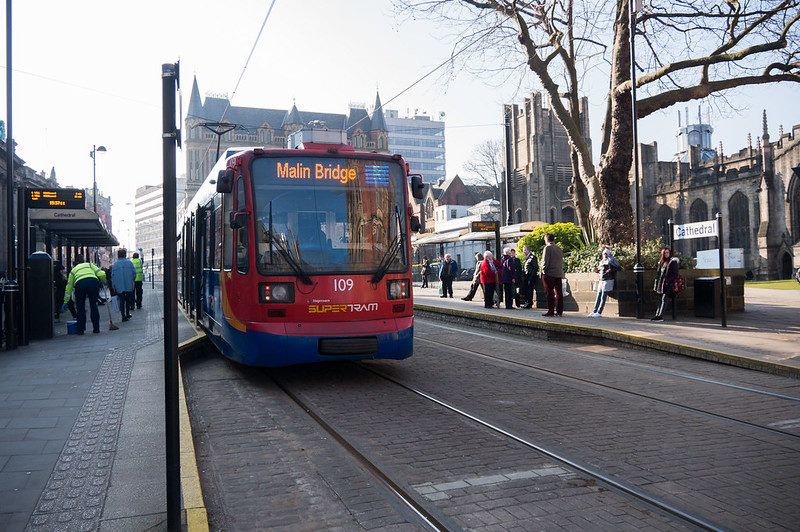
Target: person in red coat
x=490 y=277
x=666 y=273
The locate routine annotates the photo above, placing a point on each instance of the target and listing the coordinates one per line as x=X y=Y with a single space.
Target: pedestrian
x=666 y=274
x=490 y=276
x=86 y=279
x=448 y=270
x=552 y=273
x=509 y=275
x=139 y=279
x=476 y=278
x=607 y=269
x=530 y=274
x=123 y=275
x=425 y=271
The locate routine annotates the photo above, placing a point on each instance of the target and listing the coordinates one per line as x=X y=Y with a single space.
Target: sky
x=88 y=73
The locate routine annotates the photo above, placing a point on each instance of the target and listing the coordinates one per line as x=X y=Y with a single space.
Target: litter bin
x=706 y=297
x=40 y=296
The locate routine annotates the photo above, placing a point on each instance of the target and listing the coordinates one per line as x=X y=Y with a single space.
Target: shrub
x=566 y=235
x=586 y=258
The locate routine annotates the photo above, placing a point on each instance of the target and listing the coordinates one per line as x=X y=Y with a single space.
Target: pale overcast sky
x=88 y=72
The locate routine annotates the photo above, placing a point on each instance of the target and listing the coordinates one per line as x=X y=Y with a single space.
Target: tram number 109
x=342 y=285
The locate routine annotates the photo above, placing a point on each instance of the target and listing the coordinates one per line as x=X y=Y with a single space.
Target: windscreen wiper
x=390 y=255
x=286 y=254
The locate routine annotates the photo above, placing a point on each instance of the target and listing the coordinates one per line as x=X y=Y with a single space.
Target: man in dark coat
x=530 y=274
x=552 y=273
x=447 y=274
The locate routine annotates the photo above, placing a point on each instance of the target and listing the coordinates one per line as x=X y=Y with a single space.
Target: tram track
x=673 y=404
x=611 y=360
x=613 y=484
x=428 y=517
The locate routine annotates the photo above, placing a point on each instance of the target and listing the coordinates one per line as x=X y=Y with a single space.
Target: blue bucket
x=72 y=327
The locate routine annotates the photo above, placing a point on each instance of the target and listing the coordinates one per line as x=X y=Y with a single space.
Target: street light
x=93 y=155
x=637 y=268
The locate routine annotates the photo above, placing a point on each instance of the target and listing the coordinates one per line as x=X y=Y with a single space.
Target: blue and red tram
x=302 y=255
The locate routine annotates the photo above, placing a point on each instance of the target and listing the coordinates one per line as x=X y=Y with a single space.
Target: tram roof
x=80 y=226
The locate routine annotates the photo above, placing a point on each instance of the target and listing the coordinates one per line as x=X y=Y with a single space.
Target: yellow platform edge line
x=191 y=491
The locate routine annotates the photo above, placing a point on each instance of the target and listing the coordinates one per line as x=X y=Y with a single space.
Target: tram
x=290 y=256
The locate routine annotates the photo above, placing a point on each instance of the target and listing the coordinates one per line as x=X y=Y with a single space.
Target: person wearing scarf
x=608 y=268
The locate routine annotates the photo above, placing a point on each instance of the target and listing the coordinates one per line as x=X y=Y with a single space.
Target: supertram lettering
x=355 y=307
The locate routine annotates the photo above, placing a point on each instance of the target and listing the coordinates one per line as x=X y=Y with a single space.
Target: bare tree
x=690 y=49
x=486 y=164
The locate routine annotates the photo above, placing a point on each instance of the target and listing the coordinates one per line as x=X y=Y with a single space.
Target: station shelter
x=55 y=227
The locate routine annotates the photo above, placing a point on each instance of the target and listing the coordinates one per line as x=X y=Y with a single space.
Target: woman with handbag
x=667 y=273
x=490 y=276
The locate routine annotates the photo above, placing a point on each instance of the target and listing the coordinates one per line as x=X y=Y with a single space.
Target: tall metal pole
x=638 y=269
x=169 y=80
x=722 y=280
x=94 y=178
x=11 y=288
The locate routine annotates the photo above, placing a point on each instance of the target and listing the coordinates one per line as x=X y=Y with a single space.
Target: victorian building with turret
x=267 y=128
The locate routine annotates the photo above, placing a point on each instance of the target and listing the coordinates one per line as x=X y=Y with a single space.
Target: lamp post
x=93 y=155
x=638 y=269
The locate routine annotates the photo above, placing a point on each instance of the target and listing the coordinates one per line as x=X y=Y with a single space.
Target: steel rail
x=615 y=388
x=427 y=517
x=618 y=485
x=616 y=361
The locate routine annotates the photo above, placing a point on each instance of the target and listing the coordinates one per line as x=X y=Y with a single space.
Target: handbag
x=678 y=284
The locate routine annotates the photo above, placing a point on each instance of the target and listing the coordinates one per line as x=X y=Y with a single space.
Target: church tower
x=695 y=134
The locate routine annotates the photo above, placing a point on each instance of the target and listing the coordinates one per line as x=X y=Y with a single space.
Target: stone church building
x=757 y=190
x=268 y=128
x=540 y=157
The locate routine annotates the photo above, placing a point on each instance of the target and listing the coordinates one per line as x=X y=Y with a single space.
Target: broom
x=111 y=326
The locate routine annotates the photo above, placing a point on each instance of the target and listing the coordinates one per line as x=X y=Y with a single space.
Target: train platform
x=765 y=337
x=82 y=427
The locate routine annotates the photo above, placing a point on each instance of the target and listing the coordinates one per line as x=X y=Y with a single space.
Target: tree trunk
x=612 y=216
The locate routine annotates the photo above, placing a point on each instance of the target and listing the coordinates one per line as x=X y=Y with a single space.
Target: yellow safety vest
x=137 y=264
x=84 y=270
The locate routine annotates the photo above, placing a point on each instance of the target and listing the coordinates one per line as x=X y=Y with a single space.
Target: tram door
x=197 y=262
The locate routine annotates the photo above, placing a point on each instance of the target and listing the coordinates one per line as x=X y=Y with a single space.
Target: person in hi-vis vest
x=137 y=282
x=86 y=279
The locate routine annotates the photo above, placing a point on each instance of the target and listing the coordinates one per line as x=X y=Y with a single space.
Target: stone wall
x=622 y=300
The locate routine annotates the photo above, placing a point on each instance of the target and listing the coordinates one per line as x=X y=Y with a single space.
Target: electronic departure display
x=55 y=198
x=485 y=226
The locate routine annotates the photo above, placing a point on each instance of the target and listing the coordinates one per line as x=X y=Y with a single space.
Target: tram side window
x=227 y=247
x=209 y=243
x=218 y=237
x=242 y=243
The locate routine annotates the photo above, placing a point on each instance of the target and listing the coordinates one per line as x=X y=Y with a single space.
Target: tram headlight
x=398 y=288
x=276 y=292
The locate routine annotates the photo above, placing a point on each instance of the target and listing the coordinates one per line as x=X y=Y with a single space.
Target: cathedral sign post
x=705 y=229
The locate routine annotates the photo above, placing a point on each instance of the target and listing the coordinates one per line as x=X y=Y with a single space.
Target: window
x=663 y=216
x=568 y=215
x=227 y=247
x=739 y=216
x=453 y=213
x=217 y=232
x=242 y=241
x=698 y=212
x=208 y=221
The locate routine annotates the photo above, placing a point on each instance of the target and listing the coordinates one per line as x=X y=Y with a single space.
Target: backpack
x=678 y=284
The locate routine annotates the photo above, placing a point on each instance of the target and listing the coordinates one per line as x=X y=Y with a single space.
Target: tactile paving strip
x=74 y=496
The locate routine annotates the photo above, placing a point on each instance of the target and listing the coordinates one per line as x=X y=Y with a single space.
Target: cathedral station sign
x=695 y=230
